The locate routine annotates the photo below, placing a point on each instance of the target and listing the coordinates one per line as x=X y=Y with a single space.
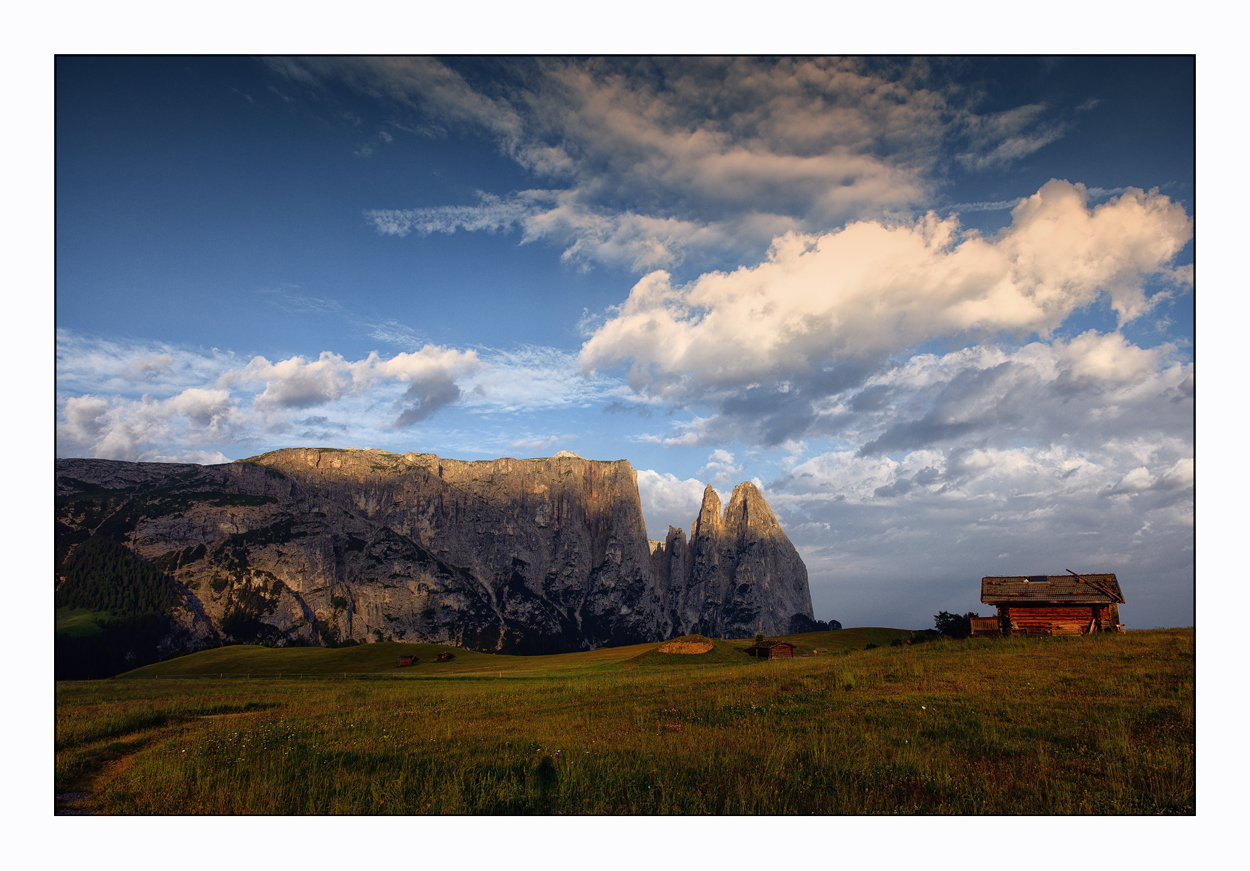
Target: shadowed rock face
x=320 y=546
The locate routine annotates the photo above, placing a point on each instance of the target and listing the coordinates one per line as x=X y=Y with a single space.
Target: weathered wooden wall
x=1058 y=619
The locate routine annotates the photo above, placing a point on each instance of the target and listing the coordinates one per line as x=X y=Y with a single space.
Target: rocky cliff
x=321 y=546
x=738 y=574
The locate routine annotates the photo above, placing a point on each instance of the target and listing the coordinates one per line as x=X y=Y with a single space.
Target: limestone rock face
x=321 y=546
x=740 y=574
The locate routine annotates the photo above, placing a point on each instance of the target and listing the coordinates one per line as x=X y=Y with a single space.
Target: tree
x=954 y=625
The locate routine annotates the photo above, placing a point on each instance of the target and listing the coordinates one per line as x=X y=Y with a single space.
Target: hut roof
x=1062 y=589
x=765 y=645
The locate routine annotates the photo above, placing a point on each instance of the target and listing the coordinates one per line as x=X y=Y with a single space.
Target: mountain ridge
x=331 y=546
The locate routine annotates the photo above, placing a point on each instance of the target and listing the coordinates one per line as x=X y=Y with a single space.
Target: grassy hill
x=79 y=622
x=372 y=659
x=383 y=659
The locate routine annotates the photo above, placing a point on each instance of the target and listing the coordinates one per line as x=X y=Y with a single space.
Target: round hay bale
x=686 y=647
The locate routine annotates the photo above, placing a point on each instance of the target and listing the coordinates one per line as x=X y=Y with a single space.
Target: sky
x=940 y=310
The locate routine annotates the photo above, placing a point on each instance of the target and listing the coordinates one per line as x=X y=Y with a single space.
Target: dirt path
x=80 y=800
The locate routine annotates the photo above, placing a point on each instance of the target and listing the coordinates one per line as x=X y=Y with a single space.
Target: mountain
x=738 y=574
x=327 y=547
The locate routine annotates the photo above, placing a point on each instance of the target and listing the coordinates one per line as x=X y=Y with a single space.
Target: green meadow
x=872 y=725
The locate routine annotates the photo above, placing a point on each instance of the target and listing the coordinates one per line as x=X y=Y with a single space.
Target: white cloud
x=873 y=288
x=652 y=161
x=669 y=501
x=721 y=469
x=532 y=378
x=541 y=444
x=127 y=401
x=392 y=332
x=1002 y=138
x=493 y=214
x=300 y=383
x=1108 y=358
x=146 y=429
x=87 y=364
x=287 y=298
x=890 y=541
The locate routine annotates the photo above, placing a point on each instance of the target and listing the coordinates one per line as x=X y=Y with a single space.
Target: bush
x=954 y=625
x=803 y=623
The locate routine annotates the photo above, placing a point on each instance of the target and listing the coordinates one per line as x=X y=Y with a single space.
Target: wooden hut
x=772 y=650
x=985 y=626
x=1068 y=604
x=407 y=660
x=446 y=657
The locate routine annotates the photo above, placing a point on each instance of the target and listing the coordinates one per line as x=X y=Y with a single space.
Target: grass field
x=1095 y=725
x=77 y=622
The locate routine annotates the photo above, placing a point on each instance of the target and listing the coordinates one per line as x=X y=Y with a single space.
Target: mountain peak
x=709 y=520
x=748 y=509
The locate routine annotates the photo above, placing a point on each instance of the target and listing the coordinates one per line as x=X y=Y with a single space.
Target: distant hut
x=1068 y=604
x=407 y=660
x=446 y=657
x=772 y=650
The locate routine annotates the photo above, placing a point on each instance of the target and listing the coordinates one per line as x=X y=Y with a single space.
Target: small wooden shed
x=446 y=657
x=984 y=626
x=407 y=660
x=772 y=650
x=1068 y=604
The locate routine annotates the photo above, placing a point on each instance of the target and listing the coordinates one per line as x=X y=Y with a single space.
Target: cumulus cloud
x=669 y=501
x=1176 y=478
x=1074 y=453
x=146 y=429
x=297 y=383
x=140 y=400
x=881 y=535
x=1096 y=390
x=136 y=401
x=721 y=469
x=300 y=383
x=432 y=374
x=874 y=288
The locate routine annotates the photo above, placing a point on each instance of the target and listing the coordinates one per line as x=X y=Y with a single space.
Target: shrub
x=803 y=623
x=954 y=625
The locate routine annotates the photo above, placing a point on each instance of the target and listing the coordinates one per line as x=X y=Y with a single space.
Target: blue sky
x=940 y=310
